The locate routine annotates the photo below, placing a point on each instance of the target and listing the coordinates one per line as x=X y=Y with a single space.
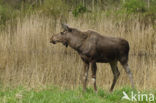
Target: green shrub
x=134 y=6
x=79 y=10
x=7 y=13
x=54 y=8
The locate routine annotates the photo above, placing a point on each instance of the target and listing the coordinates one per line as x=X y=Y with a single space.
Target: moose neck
x=76 y=40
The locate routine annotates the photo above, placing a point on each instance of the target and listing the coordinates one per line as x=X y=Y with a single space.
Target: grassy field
x=27 y=58
x=57 y=95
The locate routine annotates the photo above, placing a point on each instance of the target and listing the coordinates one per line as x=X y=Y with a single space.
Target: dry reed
x=27 y=58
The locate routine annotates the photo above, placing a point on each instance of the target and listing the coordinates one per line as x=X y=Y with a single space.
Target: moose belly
x=103 y=56
x=99 y=58
x=104 y=60
x=106 y=57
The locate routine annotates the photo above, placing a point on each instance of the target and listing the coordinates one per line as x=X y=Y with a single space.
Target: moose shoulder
x=93 y=48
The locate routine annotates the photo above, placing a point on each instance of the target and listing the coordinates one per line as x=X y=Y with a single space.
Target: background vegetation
x=28 y=59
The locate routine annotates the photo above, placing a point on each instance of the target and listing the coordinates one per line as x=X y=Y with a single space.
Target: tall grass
x=27 y=58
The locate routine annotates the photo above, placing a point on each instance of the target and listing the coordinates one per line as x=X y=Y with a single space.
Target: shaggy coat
x=93 y=48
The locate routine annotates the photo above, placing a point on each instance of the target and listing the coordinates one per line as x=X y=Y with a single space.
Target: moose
x=95 y=48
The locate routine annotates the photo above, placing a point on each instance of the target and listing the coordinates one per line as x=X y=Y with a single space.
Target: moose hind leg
x=116 y=73
x=127 y=69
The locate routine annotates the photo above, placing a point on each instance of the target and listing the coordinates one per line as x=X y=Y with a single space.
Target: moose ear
x=66 y=27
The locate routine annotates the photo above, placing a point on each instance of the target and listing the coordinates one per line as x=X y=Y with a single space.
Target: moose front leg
x=86 y=68
x=94 y=68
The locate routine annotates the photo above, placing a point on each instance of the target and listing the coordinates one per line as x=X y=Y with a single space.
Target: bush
x=6 y=13
x=134 y=6
x=79 y=10
x=54 y=8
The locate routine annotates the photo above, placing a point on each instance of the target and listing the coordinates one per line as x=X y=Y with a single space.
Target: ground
x=57 y=95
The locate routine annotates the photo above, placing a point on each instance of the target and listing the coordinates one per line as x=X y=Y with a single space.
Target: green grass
x=56 y=95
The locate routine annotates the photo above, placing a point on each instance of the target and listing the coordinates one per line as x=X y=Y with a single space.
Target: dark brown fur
x=93 y=48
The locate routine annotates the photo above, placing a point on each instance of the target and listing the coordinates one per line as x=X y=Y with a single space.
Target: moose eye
x=61 y=33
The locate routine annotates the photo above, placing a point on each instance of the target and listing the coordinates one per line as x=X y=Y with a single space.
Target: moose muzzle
x=52 y=40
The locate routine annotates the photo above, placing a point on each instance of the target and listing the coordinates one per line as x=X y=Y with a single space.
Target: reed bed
x=27 y=58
